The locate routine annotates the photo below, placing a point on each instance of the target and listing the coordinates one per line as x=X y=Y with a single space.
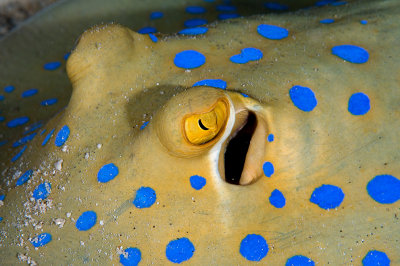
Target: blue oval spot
x=254 y=247
x=299 y=260
x=17 y=122
x=145 y=197
x=303 y=98
x=33 y=127
x=41 y=133
x=86 y=221
x=48 y=136
x=24 y=178
x=277 y=199
x=1 y=219
x=327 y=196
x=351 y=53
x=156 y=15
x=2 y=118
x=107 y=172
x=189 y=59
x=268 y=169
x=19 y=154
x=244 y=95
x=338 y=3
x=246 y=55
x=276 y=6
x=359 y=104
x=270 y=137
x=179 y=250
x=62 y=136
x=272 y=32
x=2 y=197
x=130 y=257
x=144 y=125
x=327 y=21
x=194 y=22
x=66 y=56
x=153 y=37
x=3 y=142
x=384 y=189
x=42 y=191
x=375 y=257
x=216 y=83
x=41 y=240
x=225 y=8
x=49 y=102
x=197 y=182
x=364 y=22
x=146 y=30
x=29 y=93
x=9 y=88
x=24 y=140
x=194 y=31
x=1 y=98
x=196 y=10
x=324 y=2
x=228 y=16
x=52 y=65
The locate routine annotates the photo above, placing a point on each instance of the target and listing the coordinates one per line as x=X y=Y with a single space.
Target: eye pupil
x=202 y=126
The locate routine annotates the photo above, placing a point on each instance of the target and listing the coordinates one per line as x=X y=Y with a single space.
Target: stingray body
x=139 y=164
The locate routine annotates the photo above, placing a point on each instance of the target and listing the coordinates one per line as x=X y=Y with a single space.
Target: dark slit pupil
x=202 y=126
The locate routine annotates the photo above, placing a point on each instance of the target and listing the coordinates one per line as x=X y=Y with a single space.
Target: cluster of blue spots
x=277 y=199
x=303 y=98
x=19 y=154
x=86 y=221
x=359 y=104
x=144 y=125
x=194 y=22
x=375 y=257
x=225 y=8
x=48 y=136
x=9 y=88
x=42 y=191
x=52 y=65
x=146 y=30
x=254 y=247
x=268 y=169
x=194 y=31
x=41 y=240
x=189 y=59
x=29 y=93
x=197 y=182
x=384 y=189
x=364 y=22
x=49 y=102
x=351 y=53
x=299 y=260
x=216 y=83
x=327 y=21
x=24 y=140
x=153 y=37
x=156 y=15
x=196 y=10
x=228 y=16
x=270 y=137
x=18 y=122
x=179 y=250
x=24 y=178
x=327 y=196
x=62 y=136
x=145 y=197
x=107 y=172
x=131 y=257
x=276 y=6
x=246 y=55
x=272 y=32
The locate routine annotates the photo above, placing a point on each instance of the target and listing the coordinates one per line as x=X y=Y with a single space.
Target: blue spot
x=86 y=221
x=364 y=22
x=254 y=247
x=2 y=118
x=216 y=83
x=9 y=88
x=324 y=2
x=195 y=10
x=277 y=199
x=144 y=125
x=209 y=1
x=41 y=133
x=24 y=140
x=3 y=142
x=327 y=196
x=179 y=250
x=299 y=260
x=66 y=56
x=194 y=31
x=42 y=191
x=197 y=182
x=49 y=102
x=244 y=95
x=48 y=136
x=130 y=257
x=189 y=59
x=194 y=22
x=359 y=104
x=268 y=169
x=384 y=189
x=226 y=8
x=1 y=219
x=1 y=97
x=19 y=154
x=52 y=65
x=351 y=53
x=303 y=98
x=145 y=197
x=228 y=16
x=272 y=32
x=41 y=240
x=375 y=257
x=270 y=138
x=29 y=93
x=62 y=136
x=33 y=127
x=2 y=197
x=153 y=37
x=156 y=15
x=24 y=178
x=338 y=3
x=276 y=6
x=107 y=172
x=327 y=21
x=246 y=55
x=146 y=30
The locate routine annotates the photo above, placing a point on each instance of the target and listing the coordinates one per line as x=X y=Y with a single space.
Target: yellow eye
x=201 y=128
